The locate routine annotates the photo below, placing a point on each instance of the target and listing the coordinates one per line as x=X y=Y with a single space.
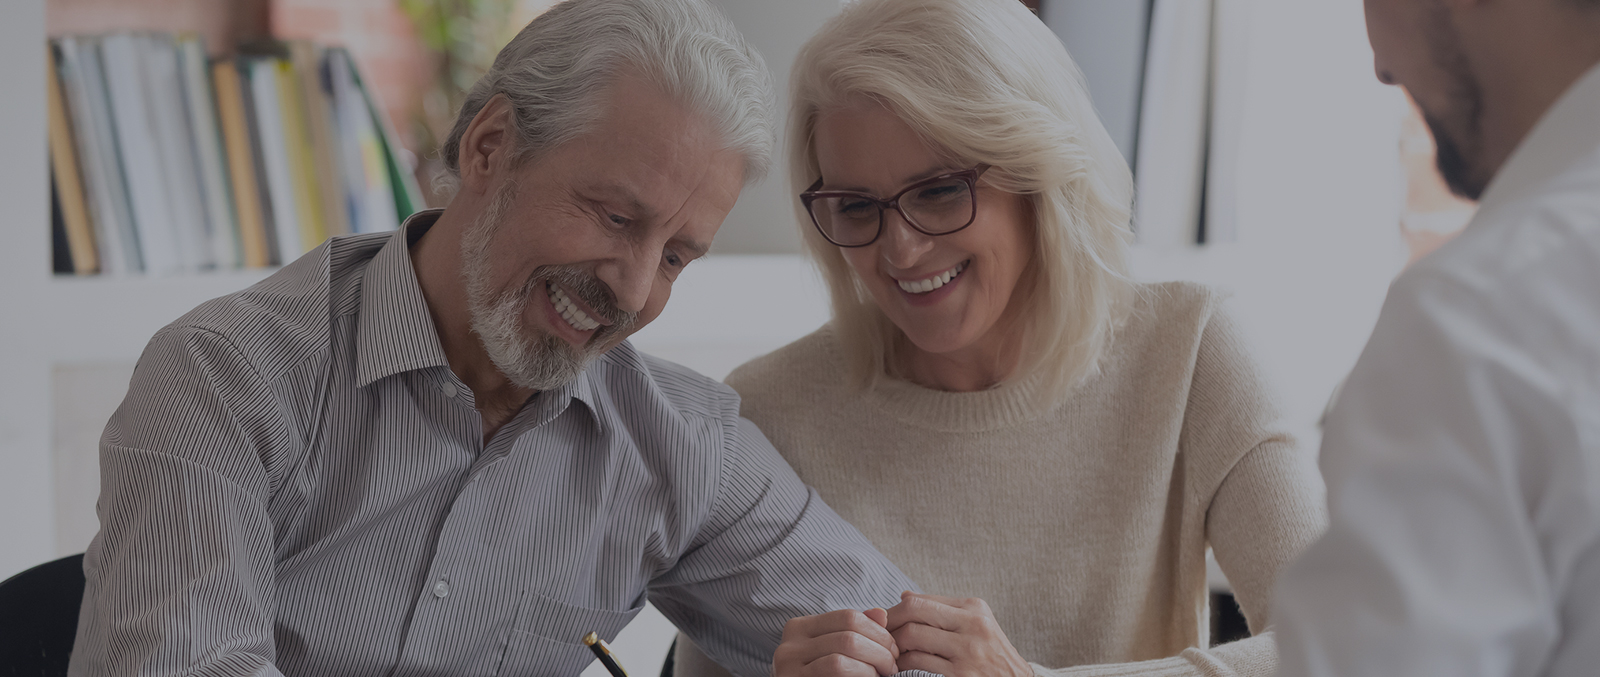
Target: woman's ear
x=487 y=145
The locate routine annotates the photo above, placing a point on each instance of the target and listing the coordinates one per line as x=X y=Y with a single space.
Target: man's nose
x=630 y=276
x=901 y=245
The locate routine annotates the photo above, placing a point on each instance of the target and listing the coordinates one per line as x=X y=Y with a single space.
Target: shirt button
x=441 y=589
x=448 y=388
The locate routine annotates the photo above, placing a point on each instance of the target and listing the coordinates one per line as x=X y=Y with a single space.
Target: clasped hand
x=943 y=635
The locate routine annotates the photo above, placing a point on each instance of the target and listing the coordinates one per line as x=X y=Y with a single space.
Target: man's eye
x=618 y=220
x=673 y=260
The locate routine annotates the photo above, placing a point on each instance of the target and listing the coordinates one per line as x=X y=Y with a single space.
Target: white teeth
x=932 y=283
x=569 y=311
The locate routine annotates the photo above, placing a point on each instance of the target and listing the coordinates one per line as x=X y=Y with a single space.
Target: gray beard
x=533 y=360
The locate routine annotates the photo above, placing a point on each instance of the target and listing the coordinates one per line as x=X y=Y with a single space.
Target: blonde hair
x=986 y=82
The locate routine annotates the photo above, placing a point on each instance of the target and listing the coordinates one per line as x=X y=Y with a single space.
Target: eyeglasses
x=940 y=205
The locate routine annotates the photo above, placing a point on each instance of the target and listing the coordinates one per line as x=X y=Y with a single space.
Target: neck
x=437 y=260
x=1528 y=60
x=980 y=366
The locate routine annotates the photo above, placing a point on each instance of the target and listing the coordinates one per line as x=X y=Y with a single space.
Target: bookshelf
x=60 y=328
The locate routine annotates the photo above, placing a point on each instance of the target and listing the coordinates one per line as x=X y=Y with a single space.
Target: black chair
x=39 y=618
x=671 y=664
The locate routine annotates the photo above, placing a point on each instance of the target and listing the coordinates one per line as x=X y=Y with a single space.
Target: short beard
x=1458 y=153
x=535 y=361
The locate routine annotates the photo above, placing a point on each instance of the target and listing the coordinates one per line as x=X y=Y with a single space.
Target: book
x=142 y=167
x=183 y=164
x=60 y=250
x=302 y=167
x=210 y=155
x=94 y=135
x=402 y=182
x=262 y=72
x=369 y=193
x=67 y=184
x=180 y=175
x=254 y=250
x=309 y=65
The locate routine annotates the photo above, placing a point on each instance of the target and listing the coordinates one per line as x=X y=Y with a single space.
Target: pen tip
x=590 y=639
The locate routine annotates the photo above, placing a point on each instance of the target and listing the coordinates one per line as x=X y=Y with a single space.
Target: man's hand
x=843 y=643
x=952 y=637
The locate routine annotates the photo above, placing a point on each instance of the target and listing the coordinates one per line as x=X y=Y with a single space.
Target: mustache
x=591 y=290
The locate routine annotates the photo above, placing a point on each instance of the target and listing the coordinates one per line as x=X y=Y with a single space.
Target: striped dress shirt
x=297 y=484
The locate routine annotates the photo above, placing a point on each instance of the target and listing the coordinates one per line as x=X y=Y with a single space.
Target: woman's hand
x=843 y=643
x=953 y=637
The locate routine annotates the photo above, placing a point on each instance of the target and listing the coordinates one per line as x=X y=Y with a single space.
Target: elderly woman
x=1044 y=445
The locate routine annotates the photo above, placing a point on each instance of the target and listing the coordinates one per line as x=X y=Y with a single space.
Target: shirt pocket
x=547 y=638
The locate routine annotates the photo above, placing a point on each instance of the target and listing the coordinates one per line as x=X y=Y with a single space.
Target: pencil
x=603 y=652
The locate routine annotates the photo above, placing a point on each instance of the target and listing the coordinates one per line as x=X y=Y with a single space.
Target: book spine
x=367 y=176
x=403 y=183
x=278 y=173
x=97 y=147
x=302 y=168
x=141 y=161
x=74 y=209
x=209 y=159
x=175 y=147
x=308 y=61
x=241 y=165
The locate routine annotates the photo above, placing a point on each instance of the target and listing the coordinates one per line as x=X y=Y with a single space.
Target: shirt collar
x=395 y=332
x=1564 y=135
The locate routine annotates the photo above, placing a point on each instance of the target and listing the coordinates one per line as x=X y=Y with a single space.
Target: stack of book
x=164 y=161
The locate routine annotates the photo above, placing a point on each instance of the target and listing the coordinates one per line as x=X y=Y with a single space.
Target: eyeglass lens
x=934 y=208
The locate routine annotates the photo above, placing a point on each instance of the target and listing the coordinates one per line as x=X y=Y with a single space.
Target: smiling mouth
x=569 y=311
x=927 y=285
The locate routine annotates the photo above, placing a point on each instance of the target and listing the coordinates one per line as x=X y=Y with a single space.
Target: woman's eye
x=854 y=207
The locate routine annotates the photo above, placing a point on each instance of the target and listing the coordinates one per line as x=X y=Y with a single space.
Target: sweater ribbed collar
x=1004 y=406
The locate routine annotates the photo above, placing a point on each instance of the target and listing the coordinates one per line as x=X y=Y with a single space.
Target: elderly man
x=433 y=452
x=1463 y=457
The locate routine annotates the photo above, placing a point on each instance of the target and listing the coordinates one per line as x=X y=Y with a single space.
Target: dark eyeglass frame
x=969 y=176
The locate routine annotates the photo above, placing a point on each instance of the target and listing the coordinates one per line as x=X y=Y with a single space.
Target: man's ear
x=486 y=146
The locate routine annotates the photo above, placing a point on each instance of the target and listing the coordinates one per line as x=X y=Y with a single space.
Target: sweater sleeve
x=1259 y=495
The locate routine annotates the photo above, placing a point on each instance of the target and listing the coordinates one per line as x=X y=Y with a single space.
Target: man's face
x=1416 y=46
x=579 y=248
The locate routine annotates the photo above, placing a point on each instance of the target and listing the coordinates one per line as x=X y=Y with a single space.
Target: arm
x=1257 y=497
x=1441 y=464
x=770 y=551
x=180 y=576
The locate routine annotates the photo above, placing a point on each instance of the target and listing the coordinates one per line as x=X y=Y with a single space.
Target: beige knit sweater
x=1084 y=527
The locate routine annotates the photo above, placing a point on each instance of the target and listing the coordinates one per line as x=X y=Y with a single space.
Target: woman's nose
x=902 y=246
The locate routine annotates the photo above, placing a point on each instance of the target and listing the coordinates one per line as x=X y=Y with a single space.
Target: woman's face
x=867 y=148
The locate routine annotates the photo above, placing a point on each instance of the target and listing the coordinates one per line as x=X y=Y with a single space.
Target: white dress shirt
x=1463 y=456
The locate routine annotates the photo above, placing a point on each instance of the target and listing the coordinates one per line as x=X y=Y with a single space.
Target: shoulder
x=1170 y=320
x=1521 y=281
x=806 y=366
x=284 y=320
x=626 y=374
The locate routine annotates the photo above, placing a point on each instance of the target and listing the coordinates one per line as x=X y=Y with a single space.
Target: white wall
x=25 y=496
x=1320 y=193
x=763 y=222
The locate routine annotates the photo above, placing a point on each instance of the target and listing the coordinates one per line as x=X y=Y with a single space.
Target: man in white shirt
x=1463 y=456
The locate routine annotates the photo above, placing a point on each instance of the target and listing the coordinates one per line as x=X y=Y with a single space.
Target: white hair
x=985 y=82
x=556 y=71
